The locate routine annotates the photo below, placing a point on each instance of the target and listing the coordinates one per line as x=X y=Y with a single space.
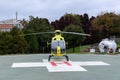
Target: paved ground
x=110 y=72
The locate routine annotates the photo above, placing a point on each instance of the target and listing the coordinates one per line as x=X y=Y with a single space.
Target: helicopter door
x=54 y=45
x=62 y=46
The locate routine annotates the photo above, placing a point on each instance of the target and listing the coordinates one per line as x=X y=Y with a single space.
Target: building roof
x=9 y=24
x=6 y=26
x=9 y=21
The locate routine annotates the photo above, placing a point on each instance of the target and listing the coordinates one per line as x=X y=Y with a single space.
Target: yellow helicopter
x=58 y=45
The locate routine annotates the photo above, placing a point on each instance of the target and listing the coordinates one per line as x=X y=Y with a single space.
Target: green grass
x=78 y=49
x=83 y=50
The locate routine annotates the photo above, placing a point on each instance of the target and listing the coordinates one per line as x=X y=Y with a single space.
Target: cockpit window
x=56 y=43
x=61 y=39
x=57 y=33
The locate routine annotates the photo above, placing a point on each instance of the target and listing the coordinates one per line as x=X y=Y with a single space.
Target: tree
x=24 y=22
x=19 y=44
x=32 y=41
x=11 y=42
x=74 y=40
x=5 y=43
x=110 y=21
x=38 y=25
x=66 y=20
x=86 y=24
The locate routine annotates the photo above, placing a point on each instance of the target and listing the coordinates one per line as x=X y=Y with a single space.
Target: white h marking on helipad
x=61 y=66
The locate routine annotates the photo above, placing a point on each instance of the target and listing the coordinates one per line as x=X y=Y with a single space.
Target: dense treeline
x=12 y=42
x=102 y=26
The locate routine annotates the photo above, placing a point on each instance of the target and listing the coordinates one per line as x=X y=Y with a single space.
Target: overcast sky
x=54 y=9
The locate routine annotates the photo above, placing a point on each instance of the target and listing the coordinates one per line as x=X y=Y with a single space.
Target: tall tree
x=19 y=44
x=74 y=40
x=86 y=24
x=32 y=41
x=66 y=20
x=5 y=43
x=110 y=21
x=40 y=25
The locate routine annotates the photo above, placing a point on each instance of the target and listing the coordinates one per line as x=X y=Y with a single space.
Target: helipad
x=60 y=66
x=80 y=67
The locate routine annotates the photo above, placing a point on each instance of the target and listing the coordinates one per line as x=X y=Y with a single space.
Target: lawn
x=79 y=49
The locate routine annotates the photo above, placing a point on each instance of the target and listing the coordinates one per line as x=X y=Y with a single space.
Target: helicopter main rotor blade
x=77 y=33
x=56 y=32
x=37 y=33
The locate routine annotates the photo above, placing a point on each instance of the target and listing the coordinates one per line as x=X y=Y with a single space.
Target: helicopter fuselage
x=58 y=47
x=58 y=43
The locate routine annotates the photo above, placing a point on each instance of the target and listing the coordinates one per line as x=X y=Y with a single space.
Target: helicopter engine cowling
x=107 y=46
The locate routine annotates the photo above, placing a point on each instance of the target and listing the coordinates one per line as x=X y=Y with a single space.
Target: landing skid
x=52 y=56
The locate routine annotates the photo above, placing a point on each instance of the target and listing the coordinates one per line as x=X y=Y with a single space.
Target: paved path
x=81 y=67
